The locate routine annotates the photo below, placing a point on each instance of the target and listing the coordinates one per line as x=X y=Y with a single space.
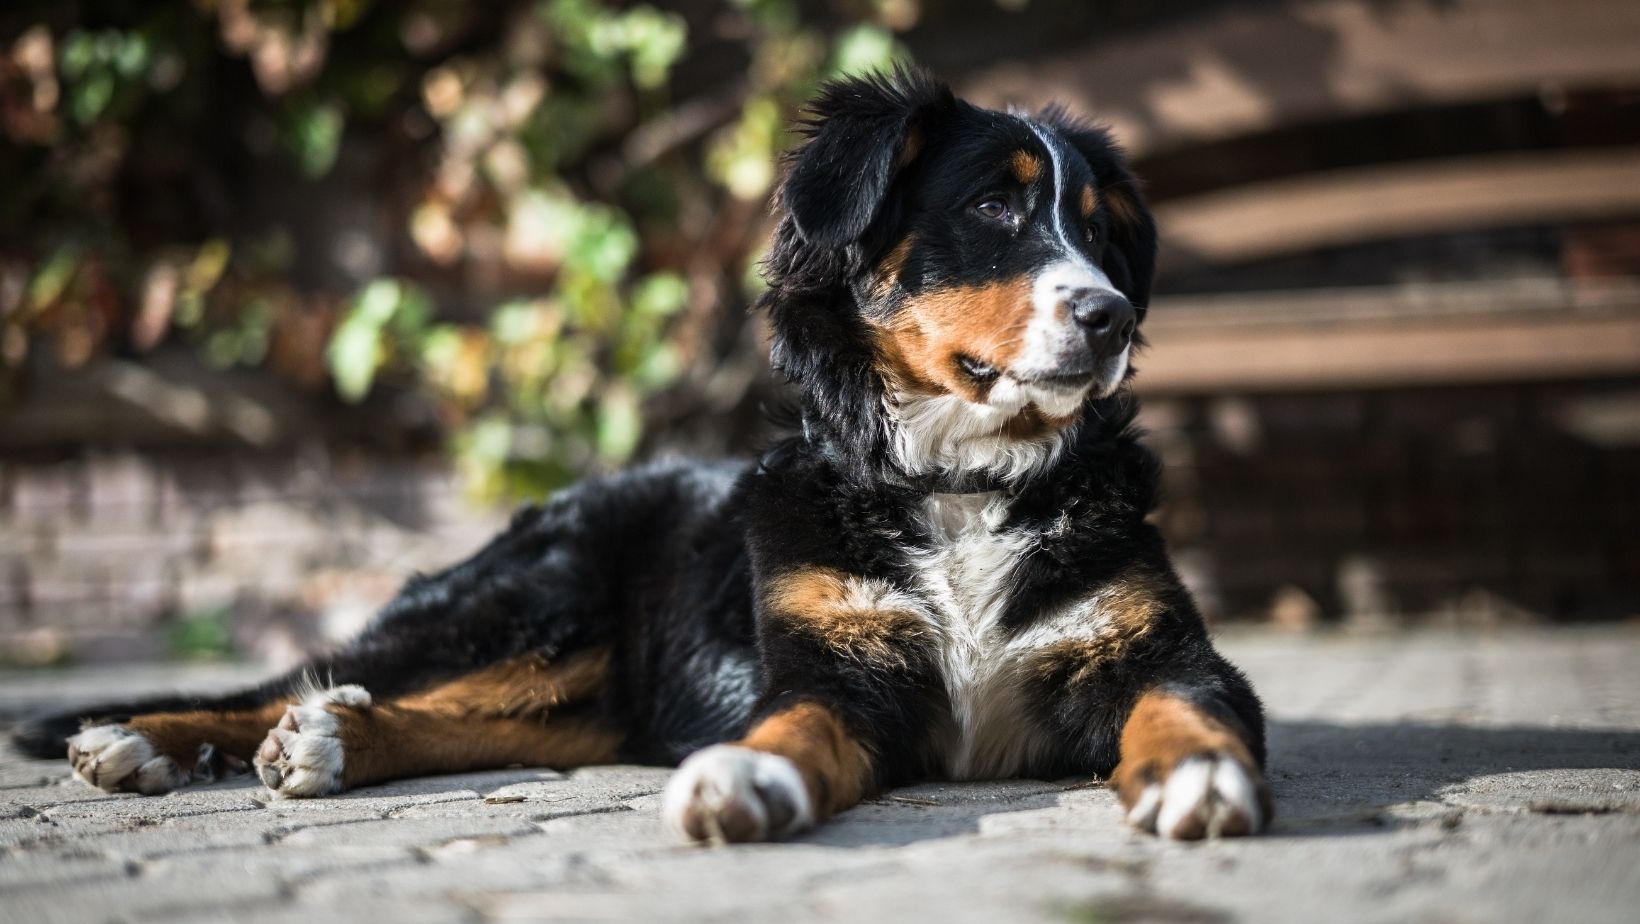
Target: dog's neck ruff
x=947 y=445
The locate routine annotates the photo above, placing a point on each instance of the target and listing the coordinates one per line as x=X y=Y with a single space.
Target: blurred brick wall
x=102 y=557
x=1473 y=505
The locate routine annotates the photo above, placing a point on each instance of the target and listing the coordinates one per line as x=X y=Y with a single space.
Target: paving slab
x=1428 y=776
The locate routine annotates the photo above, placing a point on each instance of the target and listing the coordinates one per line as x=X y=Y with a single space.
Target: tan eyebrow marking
x=1027 y=167
x=1089 y=201
x=1124 y=204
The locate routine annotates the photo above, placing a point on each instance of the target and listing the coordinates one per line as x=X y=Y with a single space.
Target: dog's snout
x=1106 y=317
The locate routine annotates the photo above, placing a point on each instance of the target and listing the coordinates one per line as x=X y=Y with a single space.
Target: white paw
x=114 y=758
x=350 y=695
x=1203 y=797
x=727 y=793
x=303 y=755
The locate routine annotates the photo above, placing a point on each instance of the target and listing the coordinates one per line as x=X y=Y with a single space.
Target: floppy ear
x=862 y=131
x=1130 y=246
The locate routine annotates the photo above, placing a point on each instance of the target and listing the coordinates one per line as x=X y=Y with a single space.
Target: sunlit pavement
x=1423 y=777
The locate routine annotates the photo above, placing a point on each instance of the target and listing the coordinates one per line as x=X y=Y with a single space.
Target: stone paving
x=1422 y=777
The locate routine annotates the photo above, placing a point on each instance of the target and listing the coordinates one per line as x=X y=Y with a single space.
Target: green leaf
x=863 y=49
x=131 y=54
x=53 y=278
x=742 y=158
x=204 y=634
x=313 y=135
x=660 y=294
x=620 y=423
x=658 y=368
x=355 y=351
x=654 y=41
x=79 y=51
x=358 y=346
x=603 y=245
x=441 y=348
x=91 y=96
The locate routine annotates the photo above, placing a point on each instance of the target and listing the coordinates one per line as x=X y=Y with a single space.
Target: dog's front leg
x=1187 y=769
x=845 y=659
x=796 y=767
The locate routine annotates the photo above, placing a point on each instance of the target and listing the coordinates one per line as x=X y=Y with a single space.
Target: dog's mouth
x=1064 y=380
x=978 y=370
x=1103 y=375
x=1075 y=380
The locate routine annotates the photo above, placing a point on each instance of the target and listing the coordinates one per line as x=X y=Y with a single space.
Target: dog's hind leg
x=159 y=752
x=156 y=745
x=525 y=710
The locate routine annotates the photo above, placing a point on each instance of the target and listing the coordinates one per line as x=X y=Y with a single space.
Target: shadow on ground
x=1329 y=779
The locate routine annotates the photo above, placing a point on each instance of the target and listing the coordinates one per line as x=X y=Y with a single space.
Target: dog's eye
x=995 y=209
x=1090 y=233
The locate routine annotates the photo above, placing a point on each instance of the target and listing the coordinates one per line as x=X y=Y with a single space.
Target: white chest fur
x=969 y=575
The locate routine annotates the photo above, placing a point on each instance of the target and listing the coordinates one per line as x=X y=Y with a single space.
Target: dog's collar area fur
x=814 y=438
x=979 y=482
x=1096 y=450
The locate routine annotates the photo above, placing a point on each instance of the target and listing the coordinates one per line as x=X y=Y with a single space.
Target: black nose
x=1107 y=318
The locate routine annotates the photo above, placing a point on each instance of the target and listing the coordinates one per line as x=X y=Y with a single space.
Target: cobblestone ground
x=1427 y=777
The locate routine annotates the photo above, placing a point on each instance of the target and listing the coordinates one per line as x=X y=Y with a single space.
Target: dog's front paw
x=1205 y=795
x=303 y=755
x=726 y=793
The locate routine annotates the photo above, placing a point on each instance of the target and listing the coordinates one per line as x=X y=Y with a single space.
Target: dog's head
x=991 y=269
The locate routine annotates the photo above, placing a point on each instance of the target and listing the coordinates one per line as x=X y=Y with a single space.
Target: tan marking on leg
x=495 y=717
x=178 y=735
x=1125 y=610
x=1162 y=731
x=864 y=619
x=1026 y=167
x=518 y=687
x=392 y=742
x=836 y=768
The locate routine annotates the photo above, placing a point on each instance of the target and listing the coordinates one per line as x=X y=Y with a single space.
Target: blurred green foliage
x=568 y=186
x=201 y=636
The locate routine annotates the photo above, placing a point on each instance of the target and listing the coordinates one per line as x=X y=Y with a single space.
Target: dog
x=946 y=574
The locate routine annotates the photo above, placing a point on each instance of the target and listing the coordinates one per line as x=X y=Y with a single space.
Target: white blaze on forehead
x=1069 y=249
x=1053 y=332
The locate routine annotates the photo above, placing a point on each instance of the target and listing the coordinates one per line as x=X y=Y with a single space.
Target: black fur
x=1130 y=252
x=663 y=564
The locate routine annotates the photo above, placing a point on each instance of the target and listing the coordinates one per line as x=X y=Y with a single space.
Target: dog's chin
x=1064 y=395
x=1055 y=399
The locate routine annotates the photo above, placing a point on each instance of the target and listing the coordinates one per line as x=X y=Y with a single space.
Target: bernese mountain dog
x=944 y=573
